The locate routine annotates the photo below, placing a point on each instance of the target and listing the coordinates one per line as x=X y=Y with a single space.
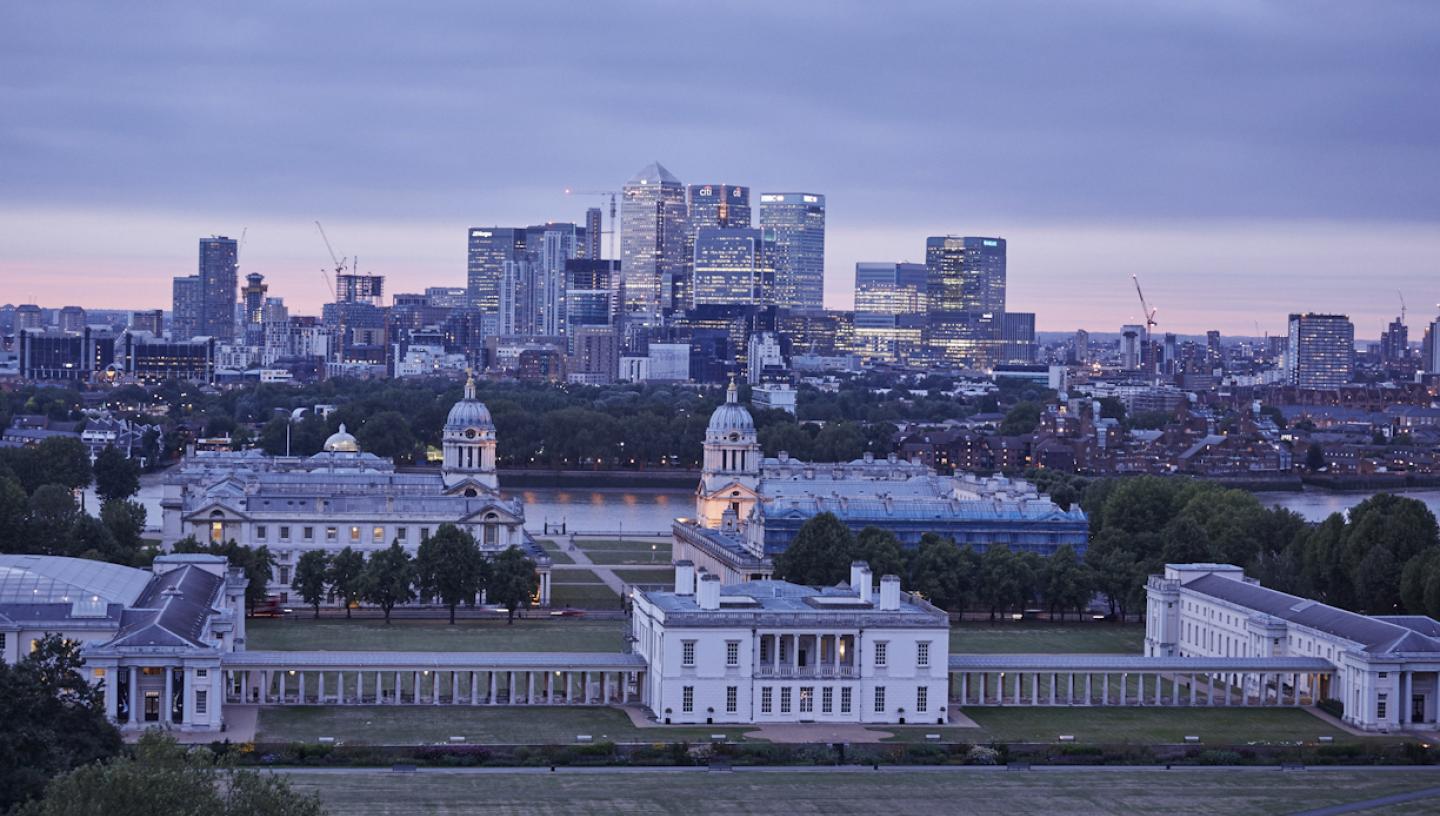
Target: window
x=922 y=653
x=1384 y=675
x=687 y=699
x=687 y=653
x=764 y=650
x=377 y=535
x=785 y=700
x=766 y=699
x=201 y=701
x=879 y=698
x=99 y=673
x=355 y=533
x=331 y=533
x=732 y=699
x=845 y=694
x=881 y=647
x=827 y=700
x=284 y=574
x=1380 y=706
x=284 y=533
x=260 y=532
x=922 y=699
x=424 y=533
x=2 y=647
x=202 y=673
x=807 y=700
x=732 y=653
x=308 y=533
x=400 y=533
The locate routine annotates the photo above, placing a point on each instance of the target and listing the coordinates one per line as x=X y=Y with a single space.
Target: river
x=651 y=510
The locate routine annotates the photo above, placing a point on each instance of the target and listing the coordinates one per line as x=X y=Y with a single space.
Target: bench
x=1327 y=739
x=1067 y=737
x=457 y=739
x=326 y=740
x=584 y=738
x=402 y=769
x=1192 y=739
x=932 y=737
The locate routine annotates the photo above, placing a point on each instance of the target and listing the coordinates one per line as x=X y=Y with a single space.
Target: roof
x=172 y=611
x=772 y=602
x=653 y=173
x=553 y=661
x=1377 y=634
x=31 y=579
x=1132 y=663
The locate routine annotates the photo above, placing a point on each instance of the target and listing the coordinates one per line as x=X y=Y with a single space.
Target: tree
x=14 y=512
x=1314 y=458
x=820 y=554
x=389 y=578
x=347 y=571
x=1066 y=582
x=944 y=573
x=64 y=461
x=881 y=550
x=449 y=566
x=52 y=517
x=1022 y=419
x=311 y=573
x=164 y=777
x=126 y=522
x=116 y=476
x=54 y=719
x=512 y=582
x=1005 y=579
x=387 y=434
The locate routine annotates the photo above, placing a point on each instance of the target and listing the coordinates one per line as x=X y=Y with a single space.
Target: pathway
x=606 y=575
x=1371 y=804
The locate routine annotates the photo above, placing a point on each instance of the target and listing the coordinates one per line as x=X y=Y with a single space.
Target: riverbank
x=590 y=479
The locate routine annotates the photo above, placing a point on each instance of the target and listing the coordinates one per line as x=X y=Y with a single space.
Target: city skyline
x=1296 y=132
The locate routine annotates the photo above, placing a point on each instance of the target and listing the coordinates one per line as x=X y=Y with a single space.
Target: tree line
x=448 y=567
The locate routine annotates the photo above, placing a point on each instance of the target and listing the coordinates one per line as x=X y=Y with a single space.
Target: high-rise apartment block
x=1321 y=350
x=219 y=268
x=1395 y=342
x=652 y=242
x=798 y=220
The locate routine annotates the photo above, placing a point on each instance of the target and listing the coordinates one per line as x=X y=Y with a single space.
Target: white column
x=1017 y=688
x=492 y=687
x=1070 y=695
x=417 y=686
x=1209 y=689
x=281 y=690
x=167 y=705
x=112 y=693
x=320 y=687
x=1124 y=681
x=1089 y=700
x=1192 y=689
x=1054 y=678
x=1105 y=688
x=187 y=696
x=964 y=677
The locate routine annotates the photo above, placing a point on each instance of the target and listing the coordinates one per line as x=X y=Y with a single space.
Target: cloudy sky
x=1245 y=159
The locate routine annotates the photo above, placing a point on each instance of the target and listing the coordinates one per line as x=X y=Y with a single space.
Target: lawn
x=1148 y=726
x=574 y=576
x=557 y=555
x=1047 y=638
x=419 y=725
x=583 y=596
x=645 y=577
x=613 y=551
x=538 y=633
x=1082 y=793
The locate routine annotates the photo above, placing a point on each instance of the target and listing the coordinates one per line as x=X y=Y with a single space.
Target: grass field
x=1082 y=793
x=584 y=596
x=552 y=549
x=420 y=725
x=1053 y=638
x=1150 y=726
x=616 y=552
x=663 y=577
x=539 y=633
x=574 y=576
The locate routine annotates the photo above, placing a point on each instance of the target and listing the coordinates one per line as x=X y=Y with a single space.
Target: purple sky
x=1246 y=159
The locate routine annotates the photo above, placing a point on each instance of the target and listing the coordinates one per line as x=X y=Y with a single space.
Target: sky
x=1244 y=159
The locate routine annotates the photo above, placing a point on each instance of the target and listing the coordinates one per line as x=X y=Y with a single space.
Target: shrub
x=980 y=755
x=1332 y=706
x=1219 y=758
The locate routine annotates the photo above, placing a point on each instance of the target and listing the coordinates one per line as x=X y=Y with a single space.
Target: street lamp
x=294 y=415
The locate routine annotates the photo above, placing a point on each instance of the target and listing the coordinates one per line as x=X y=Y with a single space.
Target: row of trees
x=953 y=578
x=448 y=567
x=60 y=756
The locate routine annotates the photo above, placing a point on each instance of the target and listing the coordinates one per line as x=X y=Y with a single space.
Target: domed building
x=749 y=507
x=345 y=497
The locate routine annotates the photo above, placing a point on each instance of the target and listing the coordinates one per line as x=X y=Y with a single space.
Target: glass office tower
x=652 y=242
x=733 y=266
x=798 y=220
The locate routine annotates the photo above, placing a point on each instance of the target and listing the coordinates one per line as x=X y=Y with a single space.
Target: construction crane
x=338 y=261
x=612 y=195
x=1150 y=324
x=1402 y=305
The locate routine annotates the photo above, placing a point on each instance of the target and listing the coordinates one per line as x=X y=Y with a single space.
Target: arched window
x=217 y=527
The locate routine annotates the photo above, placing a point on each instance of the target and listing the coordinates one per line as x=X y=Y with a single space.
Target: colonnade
x=432 y=686
x=1026 y=687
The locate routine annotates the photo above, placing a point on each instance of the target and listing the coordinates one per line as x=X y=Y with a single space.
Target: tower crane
x=1149 y=326
x=612 y=195
x=339 y=262
x=1402 y=305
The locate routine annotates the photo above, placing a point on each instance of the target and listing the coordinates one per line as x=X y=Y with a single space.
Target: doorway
x=152 y=706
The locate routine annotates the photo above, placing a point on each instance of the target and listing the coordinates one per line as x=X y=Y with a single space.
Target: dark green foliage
x=163 y=777
x=820 y=555
x=346 y=576
x=116 y=477
x=512 y=582
x=449 y=566
x=51 y=720
x=947 y=575
x=1022 y=419
x=389 y=578
x=312 y=572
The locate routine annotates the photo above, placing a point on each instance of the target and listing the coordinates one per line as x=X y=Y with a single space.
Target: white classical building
x=771 y=651
x=748 y=507
x=153 y=639
x=1385 y=667
x=344 y=497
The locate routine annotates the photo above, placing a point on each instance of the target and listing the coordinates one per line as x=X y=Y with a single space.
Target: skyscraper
x=490 y=249
x=733 y=266
x=71 y=319
x=718 y=205
x=219 y=270
x=798 y=220
x=965 y=274
x=1132 y=347
x=1431 y=347
x=185 y=307
x=254 y=298
x=1395 y=342
x=890 y=308
x=652 y=242
x=593 y=231
x=1321 y=350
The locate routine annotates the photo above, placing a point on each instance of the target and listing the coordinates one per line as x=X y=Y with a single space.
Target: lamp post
x=294 y=415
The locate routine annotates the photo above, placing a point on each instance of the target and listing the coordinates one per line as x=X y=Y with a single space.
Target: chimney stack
x=708 y=596
x=685 y=577
x=867 y=585
x=890 y=593
x=856 y=568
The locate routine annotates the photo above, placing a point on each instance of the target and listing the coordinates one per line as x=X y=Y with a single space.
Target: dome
x=469 y=412
x=732 y=416
x=342 y=442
